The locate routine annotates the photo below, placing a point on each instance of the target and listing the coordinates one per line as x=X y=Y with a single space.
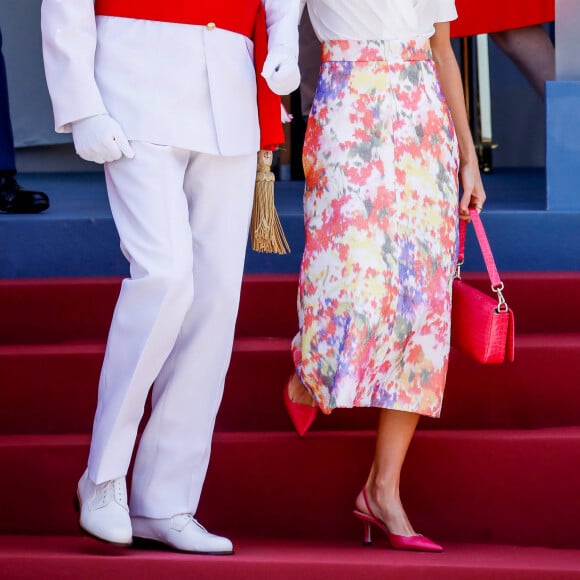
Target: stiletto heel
x=368 y=539
x=418 y=542
x=302 y=416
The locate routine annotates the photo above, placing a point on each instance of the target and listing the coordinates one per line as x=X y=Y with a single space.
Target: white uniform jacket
x=187 y=86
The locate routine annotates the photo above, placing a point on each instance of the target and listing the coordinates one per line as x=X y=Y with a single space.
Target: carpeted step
x=49 y=388
x=59 y=558
x=53 y=388
x=529 y=393
x=60 y=310
x=56 y=310
x=76 y=237
x=508 y=487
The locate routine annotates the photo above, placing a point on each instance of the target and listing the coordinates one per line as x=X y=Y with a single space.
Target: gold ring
x=479 y=207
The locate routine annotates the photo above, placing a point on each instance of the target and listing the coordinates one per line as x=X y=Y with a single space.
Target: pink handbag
x=481 y=326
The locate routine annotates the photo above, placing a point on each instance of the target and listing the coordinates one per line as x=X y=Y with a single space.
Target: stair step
x=502 y=487
x=82 y=241
x=49 y=388
x=32 y=557
x=57 y=310
x=53 y=388
x=541 y=301
x=60 y=310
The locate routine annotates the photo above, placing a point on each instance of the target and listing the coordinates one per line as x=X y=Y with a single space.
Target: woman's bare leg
x=532 y=51
x=394 y=434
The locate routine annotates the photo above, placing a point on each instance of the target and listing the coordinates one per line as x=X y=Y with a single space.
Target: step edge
x=248 y=343
x=554 y=434
x=489 y=556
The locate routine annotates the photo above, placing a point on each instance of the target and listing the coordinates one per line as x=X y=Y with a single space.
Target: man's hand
x=100 y=139
x=281 y=71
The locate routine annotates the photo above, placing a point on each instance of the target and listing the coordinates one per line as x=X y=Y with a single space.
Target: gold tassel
x=266 y=229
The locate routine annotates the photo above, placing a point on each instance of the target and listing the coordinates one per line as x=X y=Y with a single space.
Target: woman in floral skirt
x=386 y=143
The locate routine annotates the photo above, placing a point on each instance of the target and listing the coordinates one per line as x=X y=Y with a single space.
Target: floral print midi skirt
x=381 y=210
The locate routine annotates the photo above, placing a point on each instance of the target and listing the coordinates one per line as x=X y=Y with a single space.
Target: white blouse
x=377 y=19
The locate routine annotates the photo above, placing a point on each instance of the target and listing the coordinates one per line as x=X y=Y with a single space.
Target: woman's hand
x=452 y=87
x=473 y=192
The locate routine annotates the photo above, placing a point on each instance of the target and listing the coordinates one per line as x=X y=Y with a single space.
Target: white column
x=484 y=86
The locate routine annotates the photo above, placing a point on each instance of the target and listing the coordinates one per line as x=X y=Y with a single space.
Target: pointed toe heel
x=302 y=416
x=417 y=543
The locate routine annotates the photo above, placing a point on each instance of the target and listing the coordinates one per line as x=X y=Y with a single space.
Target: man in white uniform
x=166 y=98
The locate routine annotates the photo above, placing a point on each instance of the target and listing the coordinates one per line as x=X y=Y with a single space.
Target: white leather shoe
x=181 y=532
x=104 y=510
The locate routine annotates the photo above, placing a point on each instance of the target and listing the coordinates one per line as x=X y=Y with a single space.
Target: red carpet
x=498 y=470
x=80 y=558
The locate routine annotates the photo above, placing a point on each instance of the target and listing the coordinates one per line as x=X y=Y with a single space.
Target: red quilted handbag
x=482 y=326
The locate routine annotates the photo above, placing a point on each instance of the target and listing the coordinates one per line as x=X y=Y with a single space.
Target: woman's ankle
x=384 y=503
x=298 y=393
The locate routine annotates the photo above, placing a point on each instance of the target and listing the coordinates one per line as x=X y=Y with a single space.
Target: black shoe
x=14 y=199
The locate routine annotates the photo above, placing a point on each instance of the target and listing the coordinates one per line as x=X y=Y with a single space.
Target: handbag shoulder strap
x=496 y=282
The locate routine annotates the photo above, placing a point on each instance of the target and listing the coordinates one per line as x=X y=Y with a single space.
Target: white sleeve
x=446 y=10
x=69 y=40
x=282 y=18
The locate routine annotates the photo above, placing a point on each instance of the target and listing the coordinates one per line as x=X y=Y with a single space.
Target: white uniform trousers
x=183 y=220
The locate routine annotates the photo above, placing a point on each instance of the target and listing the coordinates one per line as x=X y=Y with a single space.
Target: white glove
x=100 y=139
x=281 y=71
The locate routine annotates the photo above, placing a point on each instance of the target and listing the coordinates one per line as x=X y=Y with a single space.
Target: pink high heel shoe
x=302 y=416
x=418 y=542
